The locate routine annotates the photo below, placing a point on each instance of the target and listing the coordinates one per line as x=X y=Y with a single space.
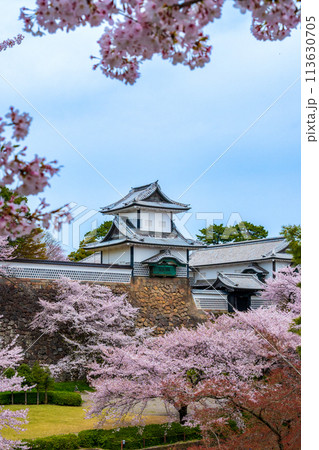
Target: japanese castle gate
x=143 y=241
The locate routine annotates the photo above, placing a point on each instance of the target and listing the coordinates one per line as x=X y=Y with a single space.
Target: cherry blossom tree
x=272 y=416
x=284 y=290
x=53 y=248
x=10 y=357
x=5 y=249
x=135 y=30
x=20 y=178
x=90 y=318
x=227 y=355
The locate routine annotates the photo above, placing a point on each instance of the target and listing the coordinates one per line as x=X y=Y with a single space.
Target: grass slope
x=46 y=420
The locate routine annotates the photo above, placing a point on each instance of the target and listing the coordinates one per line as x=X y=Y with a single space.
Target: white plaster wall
x=155 y=221
x=132 y=216
x=210 y=272
x=121 y=254
x=141 y=253
x=268 y=266
x=150 y=220
x=116 y=255
x=281 y=265
x=210 y=300
x=180 y=253
x=80 y=272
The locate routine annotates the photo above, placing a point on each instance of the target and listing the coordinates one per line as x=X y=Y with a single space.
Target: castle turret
x=143 y=234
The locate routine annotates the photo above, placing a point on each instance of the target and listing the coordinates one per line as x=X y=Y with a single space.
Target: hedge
x=63 y=442
x=64 y=398
x=150 y=436
x=54 y=398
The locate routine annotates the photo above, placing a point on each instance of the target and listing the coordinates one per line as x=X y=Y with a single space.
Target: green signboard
x=163 y=270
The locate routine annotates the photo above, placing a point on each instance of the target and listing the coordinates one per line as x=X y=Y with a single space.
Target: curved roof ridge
x=144 y=186
x=163 y=254
x=142 y=193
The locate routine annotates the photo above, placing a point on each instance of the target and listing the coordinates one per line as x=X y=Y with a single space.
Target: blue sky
x=171 y=125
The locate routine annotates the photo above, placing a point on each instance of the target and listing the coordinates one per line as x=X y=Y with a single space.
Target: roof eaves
x=240 y=243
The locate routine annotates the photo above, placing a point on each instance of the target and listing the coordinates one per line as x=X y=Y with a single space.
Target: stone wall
x=18 y=305
x=163 y=304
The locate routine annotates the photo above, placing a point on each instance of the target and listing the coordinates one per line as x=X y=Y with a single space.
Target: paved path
x=155 y=407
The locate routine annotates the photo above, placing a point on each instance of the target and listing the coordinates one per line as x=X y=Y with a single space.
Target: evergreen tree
x=47 y=383
x=30 y=246
x=38 y=375
x=212 y=234
x=25 y=371
x=243 y=231
x=89 y=237
x=10 y=373
x=292 y=234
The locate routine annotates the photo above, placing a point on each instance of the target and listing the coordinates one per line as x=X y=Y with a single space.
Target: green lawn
x=45 y=420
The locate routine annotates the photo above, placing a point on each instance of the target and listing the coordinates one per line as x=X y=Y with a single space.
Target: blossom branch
x=9 y=43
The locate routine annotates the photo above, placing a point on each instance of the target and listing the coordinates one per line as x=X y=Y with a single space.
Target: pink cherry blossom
x=20 y=122
x=229 y=353
x=23 y=178
x=5 y=249
x=10 y=357
x=284 y=290
x=136 y=30
x=90 y=318
x=9 y=43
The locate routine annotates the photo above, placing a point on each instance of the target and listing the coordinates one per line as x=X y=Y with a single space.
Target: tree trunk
x=25 y=397
x=46 y=397
x=12 y=400
x=280 y=444
x=38 y=397
x=182 y=414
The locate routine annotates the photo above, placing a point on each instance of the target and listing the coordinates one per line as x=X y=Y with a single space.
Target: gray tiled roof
x=256 y=267
x=163 y=254
x=254 y=250
x=139 y=195
x=242 y=281
x=204 y=283
x=129 y=234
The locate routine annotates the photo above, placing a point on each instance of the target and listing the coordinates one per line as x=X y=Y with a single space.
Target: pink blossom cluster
x=22 y=178
x=53 y=15
x=229 y=353
x=9 y=43
x=10 y=356
x=5 y=249
x=90 y=318
x=272 y=20
x=285 y=289
x=21 y=123
x=138 y=29
x=222 y=359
